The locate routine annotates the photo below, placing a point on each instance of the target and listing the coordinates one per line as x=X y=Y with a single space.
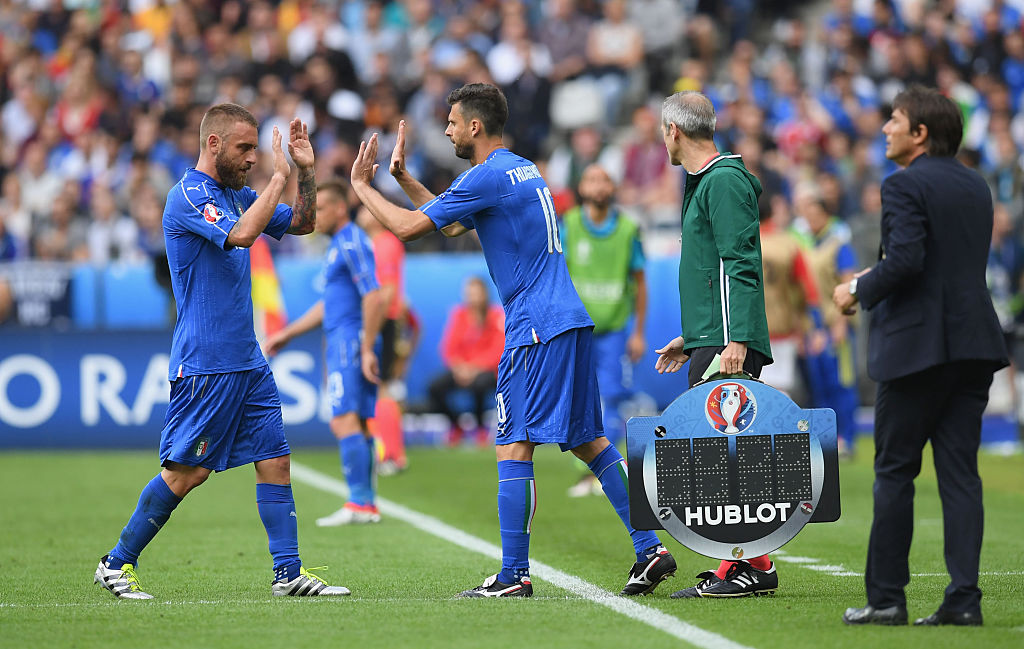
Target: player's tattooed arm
x=301 y=151
x=304 y=208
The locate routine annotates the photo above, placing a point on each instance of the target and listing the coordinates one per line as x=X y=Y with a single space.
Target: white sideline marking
x=840 y=571
x=815 y=564
x=631 y=609
x=983 y=574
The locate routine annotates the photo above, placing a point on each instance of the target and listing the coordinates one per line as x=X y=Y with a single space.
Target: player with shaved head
x=225 y=410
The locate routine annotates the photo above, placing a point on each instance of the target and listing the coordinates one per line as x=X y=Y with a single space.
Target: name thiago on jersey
x=524 y=173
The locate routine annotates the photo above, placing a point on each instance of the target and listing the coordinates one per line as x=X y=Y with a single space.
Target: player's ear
x=213 y=142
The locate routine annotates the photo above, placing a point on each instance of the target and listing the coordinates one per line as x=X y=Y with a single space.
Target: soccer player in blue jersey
x=352 y=313
x=547 y=389
x=224 y=410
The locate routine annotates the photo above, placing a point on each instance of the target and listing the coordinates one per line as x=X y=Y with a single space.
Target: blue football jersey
x=211 y=279
x=508 y=203
x=348 y=274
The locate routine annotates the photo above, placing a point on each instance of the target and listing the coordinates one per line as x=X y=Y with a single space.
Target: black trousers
x=942 y=404
x=482 y=390
x=701 y=358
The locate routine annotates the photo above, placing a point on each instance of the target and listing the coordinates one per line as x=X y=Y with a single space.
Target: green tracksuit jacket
x=721 y=286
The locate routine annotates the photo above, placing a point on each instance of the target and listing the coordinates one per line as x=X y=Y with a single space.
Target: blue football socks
x=610 y=469
x=156 y=503
x=517 y=502
x=356 y=463
x=371 y=444
x=277 y=511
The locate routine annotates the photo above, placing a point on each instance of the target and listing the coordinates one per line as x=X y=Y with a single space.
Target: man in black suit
x=934 y=345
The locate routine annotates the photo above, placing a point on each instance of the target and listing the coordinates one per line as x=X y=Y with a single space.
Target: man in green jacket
x=721 y=288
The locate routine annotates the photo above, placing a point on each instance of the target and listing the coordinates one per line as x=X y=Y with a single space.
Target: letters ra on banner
x=733 y=469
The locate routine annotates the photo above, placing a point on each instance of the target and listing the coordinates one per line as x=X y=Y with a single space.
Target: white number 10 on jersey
x=554 y=243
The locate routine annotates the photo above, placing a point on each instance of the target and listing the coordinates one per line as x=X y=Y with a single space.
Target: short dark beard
x=601 y=203
x=464 y=151
x=233 y=177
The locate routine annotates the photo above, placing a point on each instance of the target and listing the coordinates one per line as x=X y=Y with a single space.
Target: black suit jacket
x=927 y=294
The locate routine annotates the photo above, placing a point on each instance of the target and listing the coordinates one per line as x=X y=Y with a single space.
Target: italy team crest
x=730 y=408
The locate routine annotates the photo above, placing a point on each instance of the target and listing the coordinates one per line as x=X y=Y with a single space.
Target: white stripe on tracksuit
x=723 y=289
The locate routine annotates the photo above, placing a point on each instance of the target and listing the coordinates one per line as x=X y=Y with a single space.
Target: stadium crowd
x=102 y=100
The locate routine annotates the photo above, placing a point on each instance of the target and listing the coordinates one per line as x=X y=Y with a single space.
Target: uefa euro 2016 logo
x=730 y=408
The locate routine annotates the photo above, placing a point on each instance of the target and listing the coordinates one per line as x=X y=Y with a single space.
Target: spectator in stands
x=586 y=147
x=17 y=219
x=663 y=27
x=564 y=33
x=63 y=235
x=650 y=185
x=471 y=347
x=39 y=184
x=374 y=38
x=615 y=47
x=112 y=236
x=521 y=68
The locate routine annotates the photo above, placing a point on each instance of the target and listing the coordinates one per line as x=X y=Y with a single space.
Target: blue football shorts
x=347 y=388
x=220 y=421
x=547 y=392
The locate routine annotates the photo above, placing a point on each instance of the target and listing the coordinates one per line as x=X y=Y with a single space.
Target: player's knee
x=346 y=425
x=520 y=451
x=276 y=470
x=589 y=450
x=181 y=478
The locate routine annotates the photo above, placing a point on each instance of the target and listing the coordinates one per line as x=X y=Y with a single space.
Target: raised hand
x=398 y=155
x=299 y=146
x=364 y=168
x=281 y=165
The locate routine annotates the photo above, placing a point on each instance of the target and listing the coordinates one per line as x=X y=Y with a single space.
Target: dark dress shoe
x=956 y=618
x=891 y=616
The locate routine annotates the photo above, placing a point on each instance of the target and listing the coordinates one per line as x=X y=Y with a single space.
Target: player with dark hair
x=351 y=312
x=225 y=410
x=547 y=387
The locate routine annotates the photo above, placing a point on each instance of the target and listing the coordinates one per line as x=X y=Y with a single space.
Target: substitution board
x=733 y=468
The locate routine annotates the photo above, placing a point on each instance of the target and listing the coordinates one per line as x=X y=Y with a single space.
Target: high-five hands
x=364 y=168
x=398 y=155
x=299 y=146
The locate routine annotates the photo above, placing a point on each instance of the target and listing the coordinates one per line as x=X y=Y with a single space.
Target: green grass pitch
x=210 y=571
